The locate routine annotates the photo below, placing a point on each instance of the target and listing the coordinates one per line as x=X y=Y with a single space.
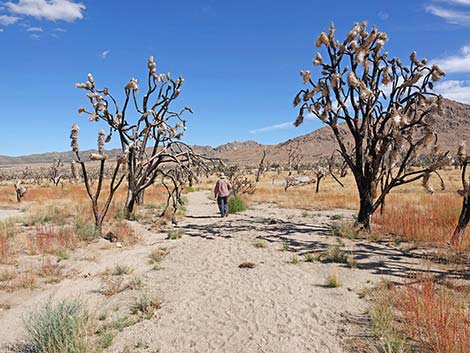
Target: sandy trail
x=209 y=303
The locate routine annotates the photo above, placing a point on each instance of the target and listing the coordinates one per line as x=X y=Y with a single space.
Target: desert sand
x=209 y=304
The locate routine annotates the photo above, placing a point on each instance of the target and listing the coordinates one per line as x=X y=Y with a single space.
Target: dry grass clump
x=125 y=234
x=427 y=219
x=333 y=281
x=12 y=280
x=333 y=254
x=51 y=240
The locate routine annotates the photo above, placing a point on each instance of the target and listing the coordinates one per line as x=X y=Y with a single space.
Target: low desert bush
x=85 y=229
x=57 y=328
x=175 y=234
x=236 y=204
x=156 y=257
x=146 y=306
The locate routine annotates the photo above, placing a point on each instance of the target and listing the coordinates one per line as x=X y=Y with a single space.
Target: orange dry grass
x=422 y=218
x=50 y=239
x=437 y=317
x=125 y=234
x=4 y=250
x=331 y=195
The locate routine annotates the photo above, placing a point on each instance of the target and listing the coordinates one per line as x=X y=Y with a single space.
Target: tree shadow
x=378 y=257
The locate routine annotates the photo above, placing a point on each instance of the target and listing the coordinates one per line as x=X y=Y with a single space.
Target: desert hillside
x=453 y=127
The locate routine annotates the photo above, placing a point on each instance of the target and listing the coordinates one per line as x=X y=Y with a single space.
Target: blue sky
x=240 y=59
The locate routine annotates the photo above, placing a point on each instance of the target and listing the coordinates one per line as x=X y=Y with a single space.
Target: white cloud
x=60 y=30
x=6 y=20
x=35 y=36
x=456 y=63
x=1 y=30
x=34 y=29
x=453 y=89
x=282 y=126
x=105 y=54
x=458 y=2
x=54 y=10
x=452 y=16
x=383 y=15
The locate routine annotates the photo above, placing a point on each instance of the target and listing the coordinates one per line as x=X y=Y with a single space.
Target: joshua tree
x=20 y=191
x=114 y=183
x=240 y=183
x=261 y=166
x=380 y=104
x=55 y=173
x=294 y=157
x=149 y=132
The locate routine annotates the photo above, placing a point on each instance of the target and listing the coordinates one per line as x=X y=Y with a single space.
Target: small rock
x=118 y=245
x=110 y=237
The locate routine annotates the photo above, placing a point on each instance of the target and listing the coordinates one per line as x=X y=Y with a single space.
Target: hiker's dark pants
x=222 y=201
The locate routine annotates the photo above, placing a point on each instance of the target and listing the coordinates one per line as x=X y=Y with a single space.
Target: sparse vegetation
x=57 y=328
x=260 y=243
x=236 y=204
x=175 y=234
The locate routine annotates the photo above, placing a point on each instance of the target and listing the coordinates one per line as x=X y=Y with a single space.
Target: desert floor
x=209 y=304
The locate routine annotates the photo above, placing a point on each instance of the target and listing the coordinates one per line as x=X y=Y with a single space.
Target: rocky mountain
x=452 y=126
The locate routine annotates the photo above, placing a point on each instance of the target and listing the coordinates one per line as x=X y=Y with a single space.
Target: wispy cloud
x=458 y=2
x=1 y=30
x=6 y=20
x=105 y=54
x=453 y=16
x=282 y=126
x=58 y=29
x=456 y=63
x=53 y=10
x=34 y=29
x=456 y=90
x=383 y=15
x=35 y=36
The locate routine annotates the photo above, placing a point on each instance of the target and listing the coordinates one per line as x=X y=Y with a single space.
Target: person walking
x=222 y=192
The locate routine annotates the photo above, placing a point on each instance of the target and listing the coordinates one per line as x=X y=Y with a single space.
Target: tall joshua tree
x=380 y=104
x=463 y=161
x=100 y=209
x=149 y=131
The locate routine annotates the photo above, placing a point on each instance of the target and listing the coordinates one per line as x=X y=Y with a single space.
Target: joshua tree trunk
x=366 y=206
x=318 y=184
x=140 y=197
x=464 y=219
x=130 y=203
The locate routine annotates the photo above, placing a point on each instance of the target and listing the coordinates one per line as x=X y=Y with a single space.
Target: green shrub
x=85 y=230
x=236 y=204
x=59 y=328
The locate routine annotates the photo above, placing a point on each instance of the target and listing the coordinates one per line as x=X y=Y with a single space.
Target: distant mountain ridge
x=452 y=126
